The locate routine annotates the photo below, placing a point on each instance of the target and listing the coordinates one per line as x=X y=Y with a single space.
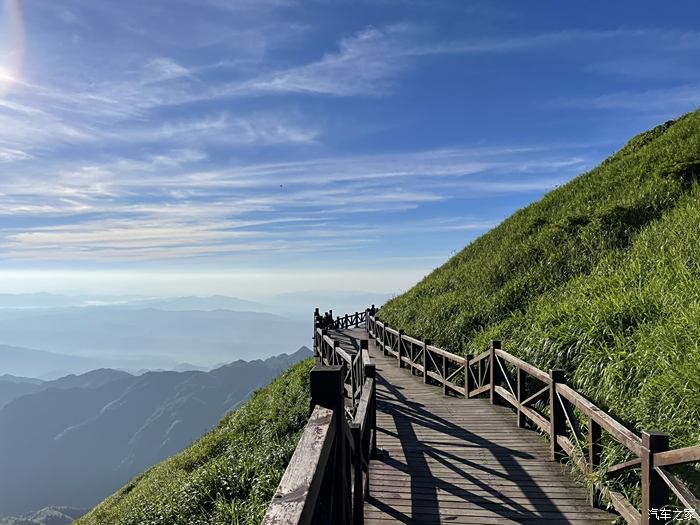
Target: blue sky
x=249 y=146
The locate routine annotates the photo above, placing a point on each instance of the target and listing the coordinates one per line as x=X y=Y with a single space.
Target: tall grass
x=226 y=477
x=601 y=278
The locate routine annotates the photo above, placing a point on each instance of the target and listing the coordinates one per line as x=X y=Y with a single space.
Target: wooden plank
x=623 y=466
x=449 y=355
x=479 y=520
x=685 y=496
x=677 y=457
x=631 y=515
x=480 y=390
x=531 y=414
x=407 y=360
x=527 y=367
x=295 y=499
x=412 y=340
x=505 y=394
x=483 y=355
x=543 y=392
x=455 y=387
x=366 y=359
x=362 y=411
x=448 y=459
x=613 y=427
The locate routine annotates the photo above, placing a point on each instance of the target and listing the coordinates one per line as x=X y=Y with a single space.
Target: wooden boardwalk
x=452 y=460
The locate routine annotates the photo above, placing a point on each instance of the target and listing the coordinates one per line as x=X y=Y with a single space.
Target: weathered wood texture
x=453 y=460
x=505 y=379
x=449 y=456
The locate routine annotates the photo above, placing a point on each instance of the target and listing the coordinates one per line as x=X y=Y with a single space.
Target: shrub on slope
x=229 y=475
x=601 y=277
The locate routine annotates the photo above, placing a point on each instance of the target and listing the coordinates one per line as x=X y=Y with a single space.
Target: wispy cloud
x=226 y=135
x=368 y=63
x=163 y=207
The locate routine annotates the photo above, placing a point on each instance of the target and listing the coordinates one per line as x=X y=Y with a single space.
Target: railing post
x=321 y=357
x=371 y=372
x=426 y=344
x=595 y=451
x=334 y=357
x=468 y=379
x=655 y=492
x=384 y=339
x=327 y=390
x=444 y=375
x=557 y=423
x=399 y=346
x=326 y=386
x=520 y=392
x=317 y=325
x=358 y=492
x=357 y=319
x=494 y=376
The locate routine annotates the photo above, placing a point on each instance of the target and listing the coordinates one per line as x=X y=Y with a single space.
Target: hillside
x=227 y=476
x=601 y=278
x=77 y=439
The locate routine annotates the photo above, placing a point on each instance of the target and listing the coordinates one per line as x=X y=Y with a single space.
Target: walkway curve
x=452 y=460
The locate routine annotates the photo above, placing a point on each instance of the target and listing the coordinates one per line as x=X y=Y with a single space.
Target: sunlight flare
x=12 y=46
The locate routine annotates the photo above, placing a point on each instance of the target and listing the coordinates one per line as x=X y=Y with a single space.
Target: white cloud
x=161 y=69
x=160 y=208
x=13 y=155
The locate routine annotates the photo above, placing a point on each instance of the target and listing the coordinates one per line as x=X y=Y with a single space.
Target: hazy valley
x=72 y=441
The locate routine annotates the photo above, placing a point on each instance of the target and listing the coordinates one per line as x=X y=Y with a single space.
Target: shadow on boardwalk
x=450 y=460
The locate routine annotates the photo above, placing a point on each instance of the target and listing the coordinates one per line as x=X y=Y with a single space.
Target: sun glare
x=11 y=45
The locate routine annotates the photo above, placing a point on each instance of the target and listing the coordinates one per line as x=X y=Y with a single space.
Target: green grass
x=601 y=278
x=229 y=475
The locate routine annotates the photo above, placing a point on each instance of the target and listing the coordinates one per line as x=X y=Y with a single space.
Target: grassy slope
x=601 y=277
x=229 y=475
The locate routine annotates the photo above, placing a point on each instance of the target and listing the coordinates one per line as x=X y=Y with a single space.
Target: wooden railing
x=329 y=353
x=550 y=405
x=327 y=479
x=341 y=322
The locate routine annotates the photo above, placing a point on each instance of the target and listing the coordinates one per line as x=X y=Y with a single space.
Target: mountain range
x=72 y=441
x=56 y=341
x=45 y=516
x=12 y=387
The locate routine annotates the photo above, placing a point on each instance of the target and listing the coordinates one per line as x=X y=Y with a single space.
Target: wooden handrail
x=491 y=371
x=328 y=483
x=297 y=494
x=625 y=436
x=677 y=457
x=525 y=367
